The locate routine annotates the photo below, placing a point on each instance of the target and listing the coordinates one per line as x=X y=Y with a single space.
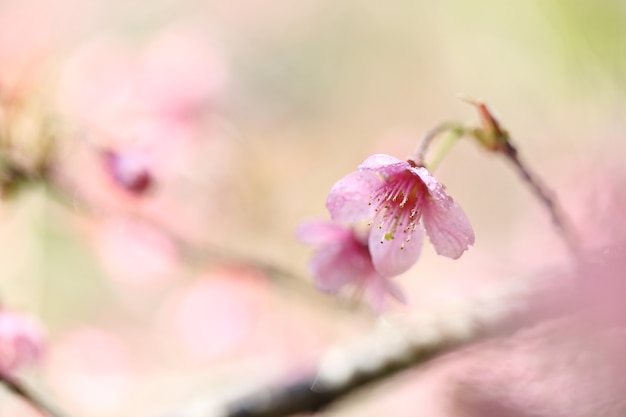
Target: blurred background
x=188 y=139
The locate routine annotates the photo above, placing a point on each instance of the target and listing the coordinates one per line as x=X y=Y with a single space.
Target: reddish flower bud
x=129 y=170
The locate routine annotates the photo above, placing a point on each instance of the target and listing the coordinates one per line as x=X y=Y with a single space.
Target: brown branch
x=547 y=198
x=403 y=345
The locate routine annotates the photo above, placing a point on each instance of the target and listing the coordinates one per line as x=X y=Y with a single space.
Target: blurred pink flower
x=134 y=254
x=180 y=73
x=108 y=85
x=21 y=341
x=30 y=31
x=151 y=106
x=93 y=370
x=214 y=316
x=394 y=195
x=343 y=260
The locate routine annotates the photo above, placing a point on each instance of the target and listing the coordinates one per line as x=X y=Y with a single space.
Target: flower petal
x=384 y=166
x=321 y=232
x=331 y=271
x=435 y=189
x=447 y=226
x=379 y=160
x=376 y=291
x=344 y=262
x=348 y=200
x=394 y=256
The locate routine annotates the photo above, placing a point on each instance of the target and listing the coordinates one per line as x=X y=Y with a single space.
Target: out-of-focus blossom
x=214 y=316
x=108 y=85
x=21 y=341
x=343 y=260
x=28 y=33
x=180 y=74
x=93 y=370
x=135 y=255
x=394 y=196
x=151 y=104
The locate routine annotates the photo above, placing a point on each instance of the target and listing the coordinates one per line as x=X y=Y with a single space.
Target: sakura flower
x=343 y=260
x=394 y=196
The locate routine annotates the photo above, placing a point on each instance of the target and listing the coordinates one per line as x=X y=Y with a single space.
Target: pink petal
x=333 y=267
x=321 y=232
x=435 y=189
x=447 y=226
x=349 y=198
x=390 y=258
x=384 y=165
x=377 y=290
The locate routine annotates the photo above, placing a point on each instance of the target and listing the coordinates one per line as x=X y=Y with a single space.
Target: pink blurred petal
x=345 y=262
x=214 y=316
x=96 y=85
x=93 y=370
x=379 y=161
x=335 y=267
x=136 y=255
x=377 y=291
x=319 y=232
x=180 y=72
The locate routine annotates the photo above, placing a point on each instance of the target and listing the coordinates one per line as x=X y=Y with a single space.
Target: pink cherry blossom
x=394 y=196
x=21 y=341
x=343 y=260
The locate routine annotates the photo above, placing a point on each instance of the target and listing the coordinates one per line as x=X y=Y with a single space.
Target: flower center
x=397 y=206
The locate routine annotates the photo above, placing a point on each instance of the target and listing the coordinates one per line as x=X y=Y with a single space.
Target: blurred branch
x=547 y=198
x=401 y=344
x=19 y=389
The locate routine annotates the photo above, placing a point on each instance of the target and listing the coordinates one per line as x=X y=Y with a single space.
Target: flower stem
x=455 y=128
x=494 y=138
x=547 y=198
x=448 y=143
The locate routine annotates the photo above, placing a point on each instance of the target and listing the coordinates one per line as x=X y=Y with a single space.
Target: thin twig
x=546 y=197
x=401 y=346
x=422 y=149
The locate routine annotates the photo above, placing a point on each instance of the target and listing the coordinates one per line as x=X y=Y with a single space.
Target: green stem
x=444 y=148
x=454 y=128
